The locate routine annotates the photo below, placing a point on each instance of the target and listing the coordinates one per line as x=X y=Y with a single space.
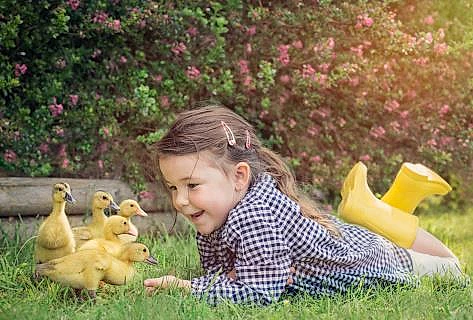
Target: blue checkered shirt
x=266 y=234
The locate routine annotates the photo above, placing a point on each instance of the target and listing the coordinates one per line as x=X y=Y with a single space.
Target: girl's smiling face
x=200 y=190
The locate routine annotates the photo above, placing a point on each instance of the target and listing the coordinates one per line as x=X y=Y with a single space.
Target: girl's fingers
x=152 y=282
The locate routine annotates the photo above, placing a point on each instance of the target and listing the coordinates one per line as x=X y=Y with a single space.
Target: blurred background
x=87 y=87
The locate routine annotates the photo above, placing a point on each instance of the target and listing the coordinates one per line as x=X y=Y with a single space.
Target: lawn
x=23 y=298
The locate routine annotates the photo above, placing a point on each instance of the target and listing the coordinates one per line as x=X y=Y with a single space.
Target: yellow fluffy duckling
x=128 y=209
x=95 y=229
x=85 y=269
x=122 y=270
x=55 y=237
x=115 y=226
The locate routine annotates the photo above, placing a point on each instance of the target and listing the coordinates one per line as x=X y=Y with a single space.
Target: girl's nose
x=181 y=199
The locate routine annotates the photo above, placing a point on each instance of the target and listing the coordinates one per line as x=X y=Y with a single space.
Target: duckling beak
x=151 y=260
x=140 y=212
x=114 y=206
x=133 y=231
x=69 y=198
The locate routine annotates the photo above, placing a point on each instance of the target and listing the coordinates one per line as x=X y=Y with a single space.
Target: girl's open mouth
x=196 y=215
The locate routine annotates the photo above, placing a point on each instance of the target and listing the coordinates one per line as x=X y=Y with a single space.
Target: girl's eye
x=192 y=185
x=172 y=188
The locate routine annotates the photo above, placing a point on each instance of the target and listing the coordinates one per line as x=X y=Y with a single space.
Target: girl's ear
x=242 y=175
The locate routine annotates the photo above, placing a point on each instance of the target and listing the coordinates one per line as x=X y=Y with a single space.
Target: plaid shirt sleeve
x=208 y=255
x=262 y=259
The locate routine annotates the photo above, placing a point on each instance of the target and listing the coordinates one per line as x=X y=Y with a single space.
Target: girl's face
x=200 y=190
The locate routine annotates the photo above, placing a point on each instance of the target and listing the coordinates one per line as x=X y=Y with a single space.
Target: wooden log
x=32 y=196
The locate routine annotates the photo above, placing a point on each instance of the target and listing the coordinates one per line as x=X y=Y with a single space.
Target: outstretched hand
x=165 y=282
x=170 y=281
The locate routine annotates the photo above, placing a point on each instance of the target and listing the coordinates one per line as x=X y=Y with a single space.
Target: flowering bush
x=87 y=87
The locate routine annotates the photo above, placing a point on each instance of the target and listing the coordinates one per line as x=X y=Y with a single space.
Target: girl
x=257 y=235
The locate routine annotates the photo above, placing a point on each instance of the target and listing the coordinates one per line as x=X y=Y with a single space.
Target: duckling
x=55 y=238
x=95 y=228
x=129 y=208
x=111 y=243
x=122 y=270
x=85 y=269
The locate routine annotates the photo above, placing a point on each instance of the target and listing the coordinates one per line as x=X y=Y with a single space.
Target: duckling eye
x=104 y=198
x=124 y=222
x=132 y=205
x=60 y=189
x=144 y=250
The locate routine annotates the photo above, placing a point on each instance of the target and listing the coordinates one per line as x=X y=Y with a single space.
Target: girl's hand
x=165 y=282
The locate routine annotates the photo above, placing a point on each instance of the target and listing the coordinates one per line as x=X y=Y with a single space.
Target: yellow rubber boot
x=361 y=207
x=412 y=184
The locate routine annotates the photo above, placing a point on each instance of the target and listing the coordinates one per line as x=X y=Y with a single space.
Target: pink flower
x=243 y=64
x=263 y=114
x=178 y=48
x=292 y=123
x=100 y=164
x=440 y=48
x=432 y=143
x=123 y=59
x=330 y=43
x=65 y=163
x=74 y=4
x=283 y=54
x=341 y=122
x=429 y=20
x=395 y=126
x=429 y=38
x=307 y=71
x=192 y=31
x=106 y=131
x=96 y=53
x=20 y=69
x=73 y=98
x=444 y=110
x=158 y=78
x=353 y=82
x=404 y=114
x=9 y=156
x=62 y=151
x=367 y=22
x=251 y=31
x=391 y=105
x=315 y=159
x=365 y=157
x=164 y=101
x=313 y=131
x=324 y=67
x=55 y=108
x=248 y=48
x=377 y=132
x=59 y=131
x=115 y=25
x=192 y=72
x=285 y=79
x=43 y=148
x=100 y=17
x=298 y=44
x=248 y=81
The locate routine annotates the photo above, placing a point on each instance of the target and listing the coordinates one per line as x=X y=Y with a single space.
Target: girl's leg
x=429 y=244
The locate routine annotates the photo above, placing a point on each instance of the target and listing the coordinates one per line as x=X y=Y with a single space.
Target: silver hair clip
x=228 y=132
x=248 y=140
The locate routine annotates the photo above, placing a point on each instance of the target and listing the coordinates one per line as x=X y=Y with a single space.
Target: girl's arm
x=262 y=260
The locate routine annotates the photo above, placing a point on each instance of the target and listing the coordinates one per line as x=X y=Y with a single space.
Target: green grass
x=23 y=298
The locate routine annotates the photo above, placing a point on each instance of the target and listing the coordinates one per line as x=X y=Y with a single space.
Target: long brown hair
x=201 y=129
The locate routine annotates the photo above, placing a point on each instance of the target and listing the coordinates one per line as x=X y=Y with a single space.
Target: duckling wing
x=82 y=233
x=82 y=269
